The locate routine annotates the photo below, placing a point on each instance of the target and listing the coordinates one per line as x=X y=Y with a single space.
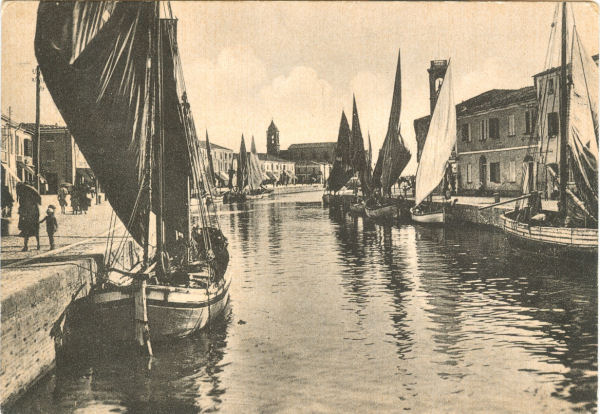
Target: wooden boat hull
x=382 y=213
x=173 y=312
x=557 y=242
x=255 y=196
x=438 y=217
x=357 y=209
x=326 y=199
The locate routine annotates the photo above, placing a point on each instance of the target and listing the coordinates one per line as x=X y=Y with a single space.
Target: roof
x=496 y=98
x=272 y=126
x=269 y=157
x=202 y=144
x=312 y=145
x=30 y=126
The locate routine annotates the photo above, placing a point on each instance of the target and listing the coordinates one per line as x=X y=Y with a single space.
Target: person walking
x=62 y=199
x=7 y=202
x=51 y=224
x=29 y=215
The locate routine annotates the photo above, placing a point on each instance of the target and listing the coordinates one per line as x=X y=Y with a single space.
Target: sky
x=299 y=63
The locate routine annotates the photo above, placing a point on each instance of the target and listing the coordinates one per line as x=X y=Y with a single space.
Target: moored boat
x=572 y=231
x=117 y=82
x=393 y=158
x=433 y=165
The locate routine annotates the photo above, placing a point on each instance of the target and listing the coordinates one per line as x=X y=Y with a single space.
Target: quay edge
x=35 y=302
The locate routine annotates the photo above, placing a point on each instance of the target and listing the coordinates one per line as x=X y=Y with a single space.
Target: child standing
x=51 y=224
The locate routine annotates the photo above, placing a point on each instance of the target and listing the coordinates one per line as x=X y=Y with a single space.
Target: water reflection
x=337 y=314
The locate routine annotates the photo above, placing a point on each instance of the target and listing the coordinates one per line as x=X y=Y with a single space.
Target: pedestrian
x=29 y=216
x=7 y=202
x=62 y=199
x=51 y=224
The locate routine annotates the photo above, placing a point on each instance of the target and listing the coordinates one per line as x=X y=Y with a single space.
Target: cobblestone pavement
x=77 y=231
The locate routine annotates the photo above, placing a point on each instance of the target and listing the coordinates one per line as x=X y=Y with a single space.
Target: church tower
x=272 y=139
x=437 y=71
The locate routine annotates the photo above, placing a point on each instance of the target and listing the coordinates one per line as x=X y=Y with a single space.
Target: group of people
x=81 y=198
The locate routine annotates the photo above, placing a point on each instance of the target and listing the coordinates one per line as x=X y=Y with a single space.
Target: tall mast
x=157 y=68
x=564 y=175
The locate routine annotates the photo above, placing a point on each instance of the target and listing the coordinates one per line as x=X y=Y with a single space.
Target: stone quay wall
x=33 y=315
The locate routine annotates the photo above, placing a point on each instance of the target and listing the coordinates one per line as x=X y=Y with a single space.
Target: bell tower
x=273 y=139
x=437 y=71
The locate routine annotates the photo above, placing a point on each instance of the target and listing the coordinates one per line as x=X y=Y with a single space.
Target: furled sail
x=440 y=140
x=342 y=166
x=583 y=126
x=393 y=156
x=255 y=176
x=359 y=157
x=242 y=167
x=96 y=62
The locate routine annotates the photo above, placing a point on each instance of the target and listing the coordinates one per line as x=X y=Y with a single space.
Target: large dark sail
x=359 y=157
x=342 y=167
x=393 y=156
x=96 y=58
x=242 y=167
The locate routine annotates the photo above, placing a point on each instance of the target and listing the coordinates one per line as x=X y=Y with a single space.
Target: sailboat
x=114 y=72
x=359 y=164
x=238 y=192
x=255 y=175
x=441 y=138
x=393 y=158
x=211 y=174
x=573 y=231
x=342 y=169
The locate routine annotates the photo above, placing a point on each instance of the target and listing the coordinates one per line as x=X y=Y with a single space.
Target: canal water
x=334 y=314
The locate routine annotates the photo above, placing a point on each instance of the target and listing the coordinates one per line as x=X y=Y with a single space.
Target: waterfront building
x=496 y=141
x=277 y=169
x=312 y=172
x=17 y=154
x=57 y=156
x=222 y=160
x=314 y=151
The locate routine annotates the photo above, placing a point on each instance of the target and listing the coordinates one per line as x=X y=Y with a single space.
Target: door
x=482 y=173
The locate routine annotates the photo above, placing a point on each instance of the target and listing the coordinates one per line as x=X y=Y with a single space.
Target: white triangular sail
x=440 y=140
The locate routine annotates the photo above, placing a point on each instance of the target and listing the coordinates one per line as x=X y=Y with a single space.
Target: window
x=49 y=154
x=469 y=174
x=528 y=128
x=27 y=150
x=550 y=86
x=512 y=172
x=484 y=130
x=511 y=125
x=495 y=172
x=465 y=132
x=494 y=128
x=553 y=123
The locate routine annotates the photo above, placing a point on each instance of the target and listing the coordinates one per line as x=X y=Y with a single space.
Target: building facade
x=17 y=154
x=57 y=155
x=312 y=172
x=317 y=151
x=497 y=143
x=222 y=160
x=277 y=169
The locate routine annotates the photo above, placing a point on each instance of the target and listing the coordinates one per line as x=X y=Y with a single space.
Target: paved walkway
x=73 y=230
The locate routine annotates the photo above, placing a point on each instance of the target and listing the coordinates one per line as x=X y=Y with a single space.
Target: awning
x=31 y=171
x=86 y=172
x=265 y=176
x=271 y=175
x=291 y=175
x=11 y=173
